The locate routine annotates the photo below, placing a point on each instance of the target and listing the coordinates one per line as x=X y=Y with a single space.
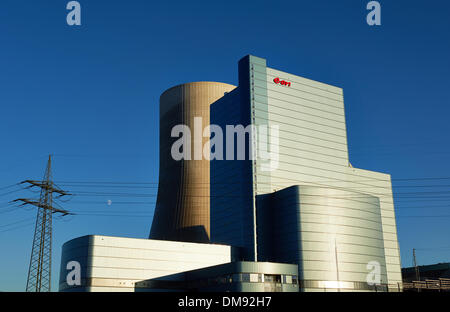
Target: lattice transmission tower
x=39 y=272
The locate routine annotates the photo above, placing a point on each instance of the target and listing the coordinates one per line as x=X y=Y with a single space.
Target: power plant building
x=305 y=203
x=290 y=200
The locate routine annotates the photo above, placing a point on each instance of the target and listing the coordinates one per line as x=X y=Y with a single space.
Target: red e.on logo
x=282 y=82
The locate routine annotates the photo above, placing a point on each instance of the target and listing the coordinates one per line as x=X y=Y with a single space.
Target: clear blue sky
x=89 y=95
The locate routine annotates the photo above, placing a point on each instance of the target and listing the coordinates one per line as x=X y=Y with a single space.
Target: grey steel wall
x=332 y=234
x=233 y=181
x=231 y=188
x=182 y=207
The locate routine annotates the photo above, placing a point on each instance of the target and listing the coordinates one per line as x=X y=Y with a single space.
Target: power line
x=114 y=203
x=17 y=222
x=113 y=215
x=127 y=185
x=401 y=197
x=8 y=186
x=11 y=192
x=145 y=214
x=441 y=216
x=18 y=227
x=423 y=207
x=434 y=248
x=362 y=180
x=424 y=199
x=407 y=195
x=154 y=185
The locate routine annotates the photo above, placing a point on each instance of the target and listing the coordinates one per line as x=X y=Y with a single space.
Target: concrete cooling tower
x=182 y=211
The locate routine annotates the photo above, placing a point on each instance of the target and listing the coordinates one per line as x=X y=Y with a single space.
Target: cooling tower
x=183 y=203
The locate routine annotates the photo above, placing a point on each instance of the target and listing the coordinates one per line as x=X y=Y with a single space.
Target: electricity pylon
x=416 y=268
x=39 y=272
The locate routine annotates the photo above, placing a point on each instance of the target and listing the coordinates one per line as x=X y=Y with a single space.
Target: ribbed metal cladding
x=182 y=211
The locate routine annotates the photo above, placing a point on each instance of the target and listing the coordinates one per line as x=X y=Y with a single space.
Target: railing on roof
x=431 y=284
